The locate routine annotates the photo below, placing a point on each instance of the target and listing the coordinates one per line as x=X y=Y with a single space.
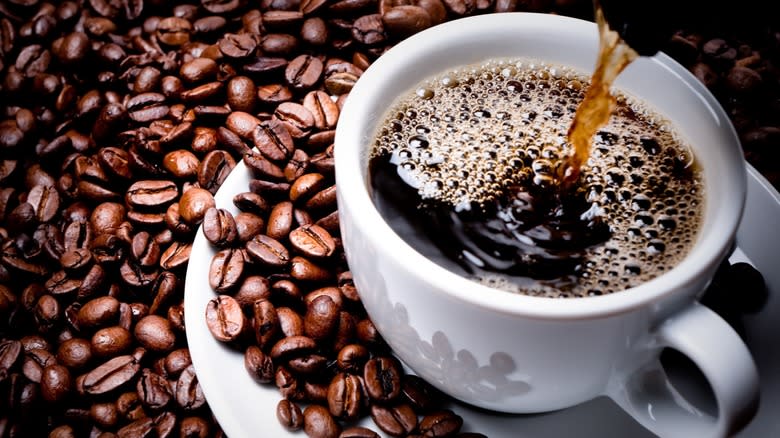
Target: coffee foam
x=466 y=135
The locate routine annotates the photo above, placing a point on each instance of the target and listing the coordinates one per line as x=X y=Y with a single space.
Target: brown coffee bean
x=10 y=353
x=268 y=251
x=150 y=194
x=35 y=361
x=56 y=383
x=189 y=394
x=74 y=353
x=421 y=395
x=198 y=70
x=194 y=203
x=241 y=123
x=321 y=318
x=303 y=72
x=142 y=427
x=314 y=31
x=147 y=107
x=155 y=333
x=225 y=319
x=45 y=202
x=273 y=94
x=323 y=200
x=175 y=256
x=104 y=414
x=76 y=260
x=237 y=46
x=290 y=322
x=111 y=341
x=181 y=163
x=395 y=420
x=129 y=407
x=289 y=415
x=441 y=423
x=226 y=269
x=280 y=220
x=306 y=186
x=406 y=20
x=382 y=377
x=196 y=427
x=145 y=249
x=296 y=165
x=153 y=390
x=258 y=364
x=174 y=31
x=273 y=140
x=241 y=94
x=214 y=168
x=304 y=269
x=219 y=227
x=331 y=223
x=146 y=82
x=262 y=167
x=351 y=358
x=98 y=312
x=251 y=203
x=743 y=80
x=296 y=118
x=112 y=374
x=369 y=30
x=292 y=346
x=317 y=422
x=340 y=83
x=202 y=93
x=323 y=108
x=358 y=432
x=345 y=397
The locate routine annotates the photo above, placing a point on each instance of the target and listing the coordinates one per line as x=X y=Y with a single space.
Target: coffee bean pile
x=120 y=120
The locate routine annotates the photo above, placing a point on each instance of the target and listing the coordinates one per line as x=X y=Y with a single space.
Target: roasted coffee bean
x=104 y=414
x=345 y=396
x=112 y=374
x=317 y=422
x=290 y=322
x=382 y=377
x=146 y=107
x=56 y=383
x=289 y=414
x=142 y=428
x=268 y=251
x=259 y=365
x=323 y=200
x=278 y=44
x=262 y=167
x=111 y=341
x=273 y=140
x=35 y=361
x=214 y=168
x=241 y=123
x=265 y=322
x=129 y=407
x=181 y=163
x=248 y=226
x=395 y=420
x=296 y=118
x=306 y=186
x=237 y=45
x=174 y=31
x=273 y=94
x=145 y=249
x=226 y=269
x=10 y=353
x=189 y=394
x=74 y=353
x=225 y=319
x=405 y=20
x=175 y=256
x=151 y=194
x=303 y=72
x=306 y=270
x=351 y=358
x=290 y=386
x=198 y=70
x=106 y=218
x=153 y=390
x=441 y=423
x=280 y=221
x=251 y=203
x=219 y=227
x=292 y=346
x=322 y=108
x=358 y=432
x=45 y=202
x=321 y=318
x=194 y=203
x=155 y=333
x=241 y=94
x=98 y=312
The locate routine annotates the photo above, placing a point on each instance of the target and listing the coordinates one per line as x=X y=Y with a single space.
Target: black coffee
x=464 y=168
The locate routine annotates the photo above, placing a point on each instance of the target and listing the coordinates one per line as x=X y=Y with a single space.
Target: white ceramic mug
x=522 y=354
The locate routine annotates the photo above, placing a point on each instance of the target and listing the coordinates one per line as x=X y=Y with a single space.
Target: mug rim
x=353 y=188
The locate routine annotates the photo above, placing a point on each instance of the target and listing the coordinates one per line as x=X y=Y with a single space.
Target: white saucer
x=247 y=409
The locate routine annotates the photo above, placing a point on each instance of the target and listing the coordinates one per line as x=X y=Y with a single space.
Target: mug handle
x=704 y=337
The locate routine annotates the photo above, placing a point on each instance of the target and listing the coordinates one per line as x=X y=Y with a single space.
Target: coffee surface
x=464 y=169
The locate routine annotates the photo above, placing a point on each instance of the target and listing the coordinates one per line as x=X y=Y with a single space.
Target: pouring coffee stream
x=625 y=33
